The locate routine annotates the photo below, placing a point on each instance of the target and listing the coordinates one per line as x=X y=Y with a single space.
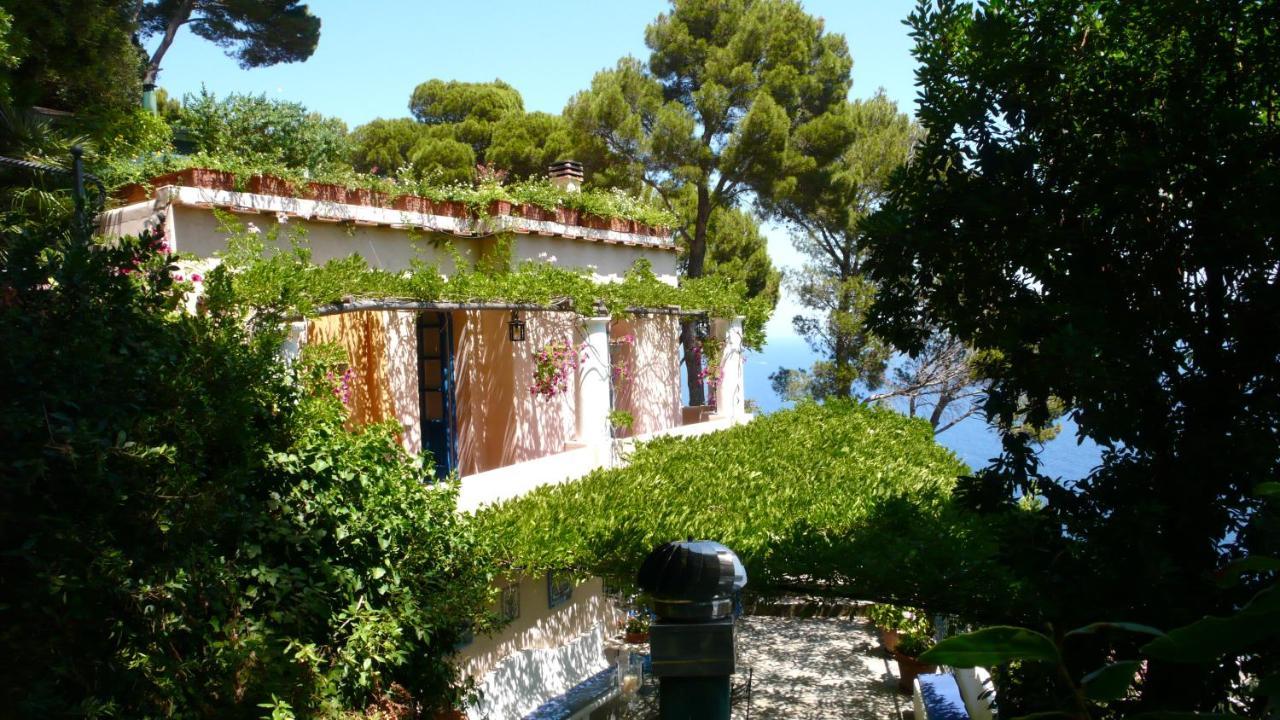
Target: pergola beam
x=560 y=305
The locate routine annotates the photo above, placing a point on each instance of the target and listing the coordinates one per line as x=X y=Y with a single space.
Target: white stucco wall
x=388 y=239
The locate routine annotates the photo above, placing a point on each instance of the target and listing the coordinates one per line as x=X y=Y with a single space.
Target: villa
x=459 y=377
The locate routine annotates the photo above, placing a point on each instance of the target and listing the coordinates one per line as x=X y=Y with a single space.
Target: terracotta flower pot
x=532 y=212
x=908 y=669
x=449 y=208
x=499 y=207
x=636 y=638
x=595 y=222
x=888 y=639
x=197 y=177
x=412 y=203
x=364 y=196
x=270 y=185
x=327 y=192
x=132 y=193
x=566 y=216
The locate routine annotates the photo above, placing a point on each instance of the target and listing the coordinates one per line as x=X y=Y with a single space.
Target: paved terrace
x=808 y=668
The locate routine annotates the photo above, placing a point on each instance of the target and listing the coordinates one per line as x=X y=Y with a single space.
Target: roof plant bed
x=536 y=200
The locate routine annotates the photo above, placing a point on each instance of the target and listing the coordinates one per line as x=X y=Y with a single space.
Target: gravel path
x=812 y=668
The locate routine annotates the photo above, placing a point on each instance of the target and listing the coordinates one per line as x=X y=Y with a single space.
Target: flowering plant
x=551 y=368
x=341 y=384
x=637 y=622
x=710 y=350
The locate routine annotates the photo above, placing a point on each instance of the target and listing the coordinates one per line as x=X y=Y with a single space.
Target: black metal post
x=77 y=171
x=692 y=585
x=83 y=221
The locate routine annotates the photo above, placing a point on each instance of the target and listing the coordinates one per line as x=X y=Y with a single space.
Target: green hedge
x=848 y=499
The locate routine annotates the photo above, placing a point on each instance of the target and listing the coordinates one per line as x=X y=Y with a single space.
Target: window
x=510 y=603
x=559 y=589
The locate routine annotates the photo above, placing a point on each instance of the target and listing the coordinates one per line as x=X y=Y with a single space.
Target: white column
x=291 y=348
x=593 y=383
x=730 y=390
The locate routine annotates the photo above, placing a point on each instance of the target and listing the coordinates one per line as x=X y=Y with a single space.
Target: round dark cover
x=691 y=570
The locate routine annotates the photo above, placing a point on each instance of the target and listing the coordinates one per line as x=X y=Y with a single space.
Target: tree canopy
x=842 y=165
x=725 y=87
x=1094 y=203
x=70 y=54
x=258 y=128
x=458 y=125
x=256 y=33
x=736 y=249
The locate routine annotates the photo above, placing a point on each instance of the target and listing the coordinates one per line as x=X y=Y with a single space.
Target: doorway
x=436 y=390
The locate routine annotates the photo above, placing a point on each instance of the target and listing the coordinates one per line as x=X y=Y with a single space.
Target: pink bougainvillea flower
x=197 y=277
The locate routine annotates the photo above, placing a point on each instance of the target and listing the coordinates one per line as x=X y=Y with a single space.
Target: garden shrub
x=838 y=497
x=185 y=528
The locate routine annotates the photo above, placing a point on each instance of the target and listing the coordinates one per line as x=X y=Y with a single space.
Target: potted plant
x=264 y=183
x=911 y=645
x=326 y=192
x=905 y=632
x=530 y=211
x=370 y=190
x=449 y=200
x=132 y=192
x=886 y=619
x=535 y=199
x=637 y=628
x=620 y=421
x=567 y=215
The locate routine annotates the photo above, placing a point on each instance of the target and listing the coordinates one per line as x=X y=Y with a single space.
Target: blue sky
x=372 y=54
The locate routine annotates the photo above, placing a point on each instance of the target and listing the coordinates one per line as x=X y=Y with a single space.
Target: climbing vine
x=287 y=283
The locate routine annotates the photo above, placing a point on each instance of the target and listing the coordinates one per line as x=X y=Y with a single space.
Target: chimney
x=566 y=175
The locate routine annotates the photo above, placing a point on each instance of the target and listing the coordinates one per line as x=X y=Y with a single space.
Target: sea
x=1066 y=457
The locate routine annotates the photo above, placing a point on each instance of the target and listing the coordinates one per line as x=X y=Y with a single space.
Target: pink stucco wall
x=645 y=354
x=500 y=421
x=382 y=350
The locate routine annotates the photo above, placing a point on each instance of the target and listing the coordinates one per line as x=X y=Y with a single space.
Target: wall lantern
x=515 y=328
x=702 y=328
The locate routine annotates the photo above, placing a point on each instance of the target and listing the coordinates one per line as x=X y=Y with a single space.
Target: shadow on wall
x=483 y=367
x=401 y=372
x=647 y=371
x=365 y=337
x=529 y=678
x=499 y=421
x=540 y=627
x=543 y=425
